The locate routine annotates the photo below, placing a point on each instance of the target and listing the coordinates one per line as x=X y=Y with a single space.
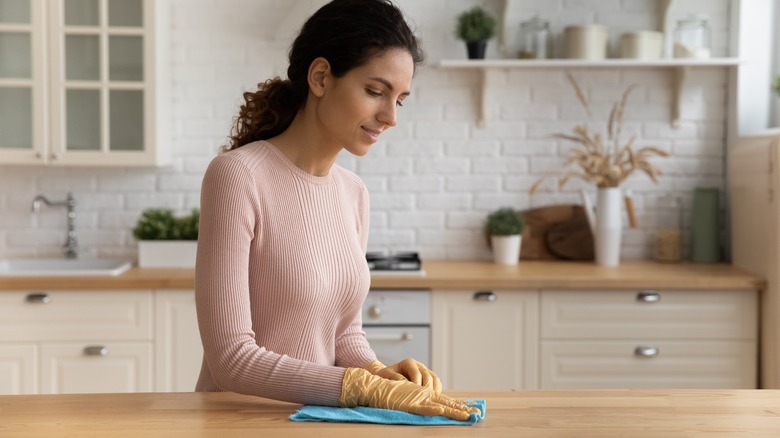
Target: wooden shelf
x=681 y=67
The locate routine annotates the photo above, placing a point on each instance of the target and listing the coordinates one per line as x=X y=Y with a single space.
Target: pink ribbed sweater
x=281 y=277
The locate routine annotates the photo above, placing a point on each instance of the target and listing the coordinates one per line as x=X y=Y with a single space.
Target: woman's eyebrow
x=389 y=85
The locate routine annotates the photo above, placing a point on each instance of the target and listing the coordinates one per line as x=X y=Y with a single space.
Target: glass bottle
x=692 y=38
x=668 y=237
x=534 y=39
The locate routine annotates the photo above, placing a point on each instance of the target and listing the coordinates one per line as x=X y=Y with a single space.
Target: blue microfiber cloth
x=361 y=414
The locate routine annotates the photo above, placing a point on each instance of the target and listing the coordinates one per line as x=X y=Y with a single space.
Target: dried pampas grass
x=604 y=162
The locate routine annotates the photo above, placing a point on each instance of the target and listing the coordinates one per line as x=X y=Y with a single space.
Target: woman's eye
x=373 y=92
x=399 y=102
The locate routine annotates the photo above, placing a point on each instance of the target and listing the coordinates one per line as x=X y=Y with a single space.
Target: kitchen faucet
x=70 y=248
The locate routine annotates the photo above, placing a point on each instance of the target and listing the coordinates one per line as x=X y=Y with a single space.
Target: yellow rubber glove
x=408 y=369
x=361 y=388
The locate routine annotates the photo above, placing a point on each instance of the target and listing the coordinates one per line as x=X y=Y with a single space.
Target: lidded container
x=534 y=39
x=588 y=41
x=668 y=236
x=646 y=45
x=692 y=38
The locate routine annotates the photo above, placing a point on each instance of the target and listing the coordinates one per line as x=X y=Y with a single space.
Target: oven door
x=394 y=344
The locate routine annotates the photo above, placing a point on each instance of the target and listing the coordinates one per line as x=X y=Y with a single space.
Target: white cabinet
x=68 y=341
x=18 y=368
x=648 y=339
x=86 y=82
x=485 y=340
x=178 y=350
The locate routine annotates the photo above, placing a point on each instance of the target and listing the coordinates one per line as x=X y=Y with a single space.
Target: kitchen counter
x=605 y=413
x=459 y=275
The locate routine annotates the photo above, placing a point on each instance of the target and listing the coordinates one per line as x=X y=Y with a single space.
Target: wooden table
x=604 y=413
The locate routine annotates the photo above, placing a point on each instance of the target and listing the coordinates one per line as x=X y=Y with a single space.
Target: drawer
x=68 y=315
x=643 y=314
x=678 y=364
x=389 y=307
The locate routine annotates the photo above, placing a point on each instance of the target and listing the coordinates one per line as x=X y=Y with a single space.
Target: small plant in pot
x=505 y=228
x=167 y=241
x=476 y=26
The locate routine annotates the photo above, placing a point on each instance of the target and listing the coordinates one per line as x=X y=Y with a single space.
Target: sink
x=62 y=267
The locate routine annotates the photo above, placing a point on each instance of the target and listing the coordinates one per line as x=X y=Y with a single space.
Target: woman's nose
x=388 y=114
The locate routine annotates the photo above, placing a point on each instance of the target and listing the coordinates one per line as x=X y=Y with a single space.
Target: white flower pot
x=609 y=226
x=167 y=253
x=506 y=249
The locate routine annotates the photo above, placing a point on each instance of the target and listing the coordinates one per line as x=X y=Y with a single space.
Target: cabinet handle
x=374 y=312
x=485 y=295
x=391 y=337
x=646 y=351
x=37 y=297
x=648 y=296
x=96 y=350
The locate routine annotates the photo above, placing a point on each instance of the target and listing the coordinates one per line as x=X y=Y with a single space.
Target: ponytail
x=265 y=113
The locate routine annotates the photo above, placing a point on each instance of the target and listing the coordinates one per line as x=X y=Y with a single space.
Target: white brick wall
x=437 y=175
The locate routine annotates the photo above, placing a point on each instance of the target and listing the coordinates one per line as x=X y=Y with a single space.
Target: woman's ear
x=319 y=75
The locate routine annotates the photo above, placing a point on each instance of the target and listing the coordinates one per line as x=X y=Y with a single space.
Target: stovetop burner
x=399 y=261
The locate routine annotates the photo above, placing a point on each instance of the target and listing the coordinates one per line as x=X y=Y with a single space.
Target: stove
x=400 y=263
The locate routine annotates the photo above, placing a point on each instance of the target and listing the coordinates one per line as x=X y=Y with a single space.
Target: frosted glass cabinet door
x=21 y=80
x=105 y=94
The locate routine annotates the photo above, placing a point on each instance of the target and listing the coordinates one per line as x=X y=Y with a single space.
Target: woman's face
x=357 y=107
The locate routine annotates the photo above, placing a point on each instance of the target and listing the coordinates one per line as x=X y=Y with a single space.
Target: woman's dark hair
x=345 y=32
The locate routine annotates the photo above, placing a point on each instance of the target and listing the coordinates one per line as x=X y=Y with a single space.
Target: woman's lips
x=373 y=135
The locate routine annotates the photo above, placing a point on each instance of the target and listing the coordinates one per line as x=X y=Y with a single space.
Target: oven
x=398 y=324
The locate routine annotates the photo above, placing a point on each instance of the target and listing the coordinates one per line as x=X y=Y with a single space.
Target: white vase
x=167 y=253
x=506 y=249
x=608 y=226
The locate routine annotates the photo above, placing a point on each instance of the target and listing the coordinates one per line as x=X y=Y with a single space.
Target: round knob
x=374 y=312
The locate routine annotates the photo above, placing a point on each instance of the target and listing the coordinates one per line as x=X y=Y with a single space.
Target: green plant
x=476 y=24
x=505 y=221
x=162 y=224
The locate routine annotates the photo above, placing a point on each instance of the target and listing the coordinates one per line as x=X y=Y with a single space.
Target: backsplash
x=436 y=175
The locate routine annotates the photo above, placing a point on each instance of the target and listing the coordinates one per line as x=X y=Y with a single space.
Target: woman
x=281 y=272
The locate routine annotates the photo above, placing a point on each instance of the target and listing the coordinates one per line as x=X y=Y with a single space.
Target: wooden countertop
x=597 y=413
x=459 y=275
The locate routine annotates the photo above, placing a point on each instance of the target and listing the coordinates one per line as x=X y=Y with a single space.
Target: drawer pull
x=485 y=296
x=648 y=296
x=391 y=337
x=41 y=298
x=96 y=350
x=646 y=351
x=374 y=312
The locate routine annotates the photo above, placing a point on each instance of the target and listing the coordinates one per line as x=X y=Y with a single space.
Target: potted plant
x=167 y=241
x=476 y=26
x=505 y=228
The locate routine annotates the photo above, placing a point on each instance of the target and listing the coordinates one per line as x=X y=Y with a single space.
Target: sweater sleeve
x=352 y=347
x=229 y=219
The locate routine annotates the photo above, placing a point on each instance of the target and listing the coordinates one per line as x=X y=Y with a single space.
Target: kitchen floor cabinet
x=85 y=82
x=648 y=339
x=72 y=341
x=178 y=350
x=556 y=339
x=485 y=340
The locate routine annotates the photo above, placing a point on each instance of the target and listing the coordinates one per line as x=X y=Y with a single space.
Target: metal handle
x=96 y=350
x=646 y=351
x=485 y=296
x=391 y=337
x=648 y=296
x=38 y=297
x=374 y=312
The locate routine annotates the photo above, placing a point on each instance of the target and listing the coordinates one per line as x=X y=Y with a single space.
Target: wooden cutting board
x=556 y=232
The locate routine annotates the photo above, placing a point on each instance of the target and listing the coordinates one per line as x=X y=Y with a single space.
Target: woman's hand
x=361 y=388
x=408 y=369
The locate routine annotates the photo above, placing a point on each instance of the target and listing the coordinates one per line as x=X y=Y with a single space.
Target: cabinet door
x=18 y=369
x=22 y=83
x=178 y=350
x=485 y=340
x=104 y=77
x=96 y=367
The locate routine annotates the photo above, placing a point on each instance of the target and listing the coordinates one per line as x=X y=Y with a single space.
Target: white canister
x=585 y=42
x=646 y=45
